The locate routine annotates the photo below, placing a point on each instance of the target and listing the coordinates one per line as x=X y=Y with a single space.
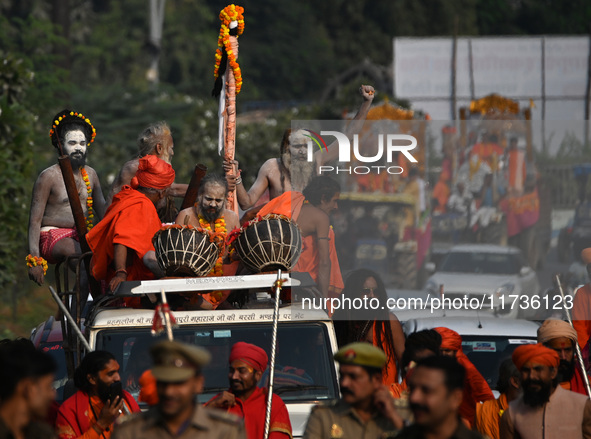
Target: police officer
x=177 y=369
x=366 y=409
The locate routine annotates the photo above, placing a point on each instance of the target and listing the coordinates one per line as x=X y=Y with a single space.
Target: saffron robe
x=253 y=412
x=130 y=220
x=75 y=417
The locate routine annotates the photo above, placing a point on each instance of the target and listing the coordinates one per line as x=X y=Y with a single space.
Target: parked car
x=496 y=277
x=487 y=341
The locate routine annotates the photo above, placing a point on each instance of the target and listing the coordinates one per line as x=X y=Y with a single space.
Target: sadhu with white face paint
x=52 y=233
x=291 y=171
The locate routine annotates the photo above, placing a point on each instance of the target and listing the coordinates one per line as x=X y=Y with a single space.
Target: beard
x=300 y=171
x=566 y=370
x=78 y=160
x=211 y=216
x=536 y=398
x=103 y=391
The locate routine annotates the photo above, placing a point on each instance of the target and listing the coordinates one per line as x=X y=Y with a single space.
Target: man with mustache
x=92 y=410
x=559 y=336
x=210 y=213
x=52 y=232
x=545 y=410
x=177 y=369
x=435 y=396
x=291 y=171
x=366 y=408
x=245 y=399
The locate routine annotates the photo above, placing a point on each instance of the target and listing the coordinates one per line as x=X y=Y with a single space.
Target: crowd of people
x=416 y=386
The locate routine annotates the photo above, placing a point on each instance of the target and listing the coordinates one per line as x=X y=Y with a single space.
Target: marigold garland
x=56 y=122
x=33 y=261
x=219 y=235
x=227 y=15
x=90 y=218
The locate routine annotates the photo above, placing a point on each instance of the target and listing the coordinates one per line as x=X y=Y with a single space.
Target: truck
x=495 y=148
x=305 y=372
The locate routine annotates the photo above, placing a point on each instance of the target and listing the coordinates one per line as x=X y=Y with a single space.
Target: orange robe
x=582 y=314
x=441 y=194
x=390 y=373
x=131 y=220
x=253 y=412
x=290 y=204
x=75 y=417
x=488 y=416
x=476 y=389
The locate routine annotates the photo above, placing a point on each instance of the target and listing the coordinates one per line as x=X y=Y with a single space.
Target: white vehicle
x=305 y=371
x=486 y=277
x=487 y=341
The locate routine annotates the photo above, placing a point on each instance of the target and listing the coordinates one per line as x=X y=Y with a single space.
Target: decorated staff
x=228 y=83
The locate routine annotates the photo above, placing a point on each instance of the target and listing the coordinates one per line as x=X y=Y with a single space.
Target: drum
x=269 y=243
x=186 y=251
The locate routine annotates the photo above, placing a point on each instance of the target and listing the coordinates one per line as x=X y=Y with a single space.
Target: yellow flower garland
x=72 y=113
x=33 y=261
x=89 y=219
x=227 y=15
x=218 y=227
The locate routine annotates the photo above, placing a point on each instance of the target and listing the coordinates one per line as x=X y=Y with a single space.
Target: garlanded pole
x=228 y=84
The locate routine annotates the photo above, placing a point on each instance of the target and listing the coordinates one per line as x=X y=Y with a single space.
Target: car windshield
x=304 y=369
x=481 y=263
x=488 y=352
x=583 y=215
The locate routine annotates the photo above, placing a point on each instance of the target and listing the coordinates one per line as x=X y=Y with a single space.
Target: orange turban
x=249 y=354
x=586 y=255
x=536 y=353
x=154 y=173
x=450 y=339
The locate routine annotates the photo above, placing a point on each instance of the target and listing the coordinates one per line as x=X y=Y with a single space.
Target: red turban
x=536 y=353
x=249 y=354
x=450 y=339
x=154 y=173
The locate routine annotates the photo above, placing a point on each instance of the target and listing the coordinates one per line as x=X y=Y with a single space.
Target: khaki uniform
x=205 y=423
x=341 y=421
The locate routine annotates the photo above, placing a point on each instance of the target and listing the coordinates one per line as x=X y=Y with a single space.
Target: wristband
x=121 y=270
x=34 y=261
x=238 y=181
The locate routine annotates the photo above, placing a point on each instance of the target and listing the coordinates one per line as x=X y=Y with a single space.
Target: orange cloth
x=131 y=220
x=390 y=373
x=582 y=314
x=476 y=389
x=250 y=354
x=450 y=339
x=290 y=205
x=253 y=412
x=75 y=417
x=148 y=390
x=488 y=416
x=441 y=194
x=536 y=353
x=517 y=170
x=576 y=383
x=398 y=389
x=153 y=172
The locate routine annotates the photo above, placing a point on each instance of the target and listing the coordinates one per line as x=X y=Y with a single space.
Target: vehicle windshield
x=481 y=263
x=487 y=353
x=583 y=216
x=304 y=369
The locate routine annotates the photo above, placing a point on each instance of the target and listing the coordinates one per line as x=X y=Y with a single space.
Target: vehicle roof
x=491 y=326
x=483 y=248
x=132 y=318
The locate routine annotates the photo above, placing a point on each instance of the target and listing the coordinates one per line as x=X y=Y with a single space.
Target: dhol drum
x=186 y=251
x=269 y=243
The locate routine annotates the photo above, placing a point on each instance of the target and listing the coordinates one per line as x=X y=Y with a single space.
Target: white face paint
x=75 y=143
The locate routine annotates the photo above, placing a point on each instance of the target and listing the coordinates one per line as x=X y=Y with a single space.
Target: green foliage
x=16 y=169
